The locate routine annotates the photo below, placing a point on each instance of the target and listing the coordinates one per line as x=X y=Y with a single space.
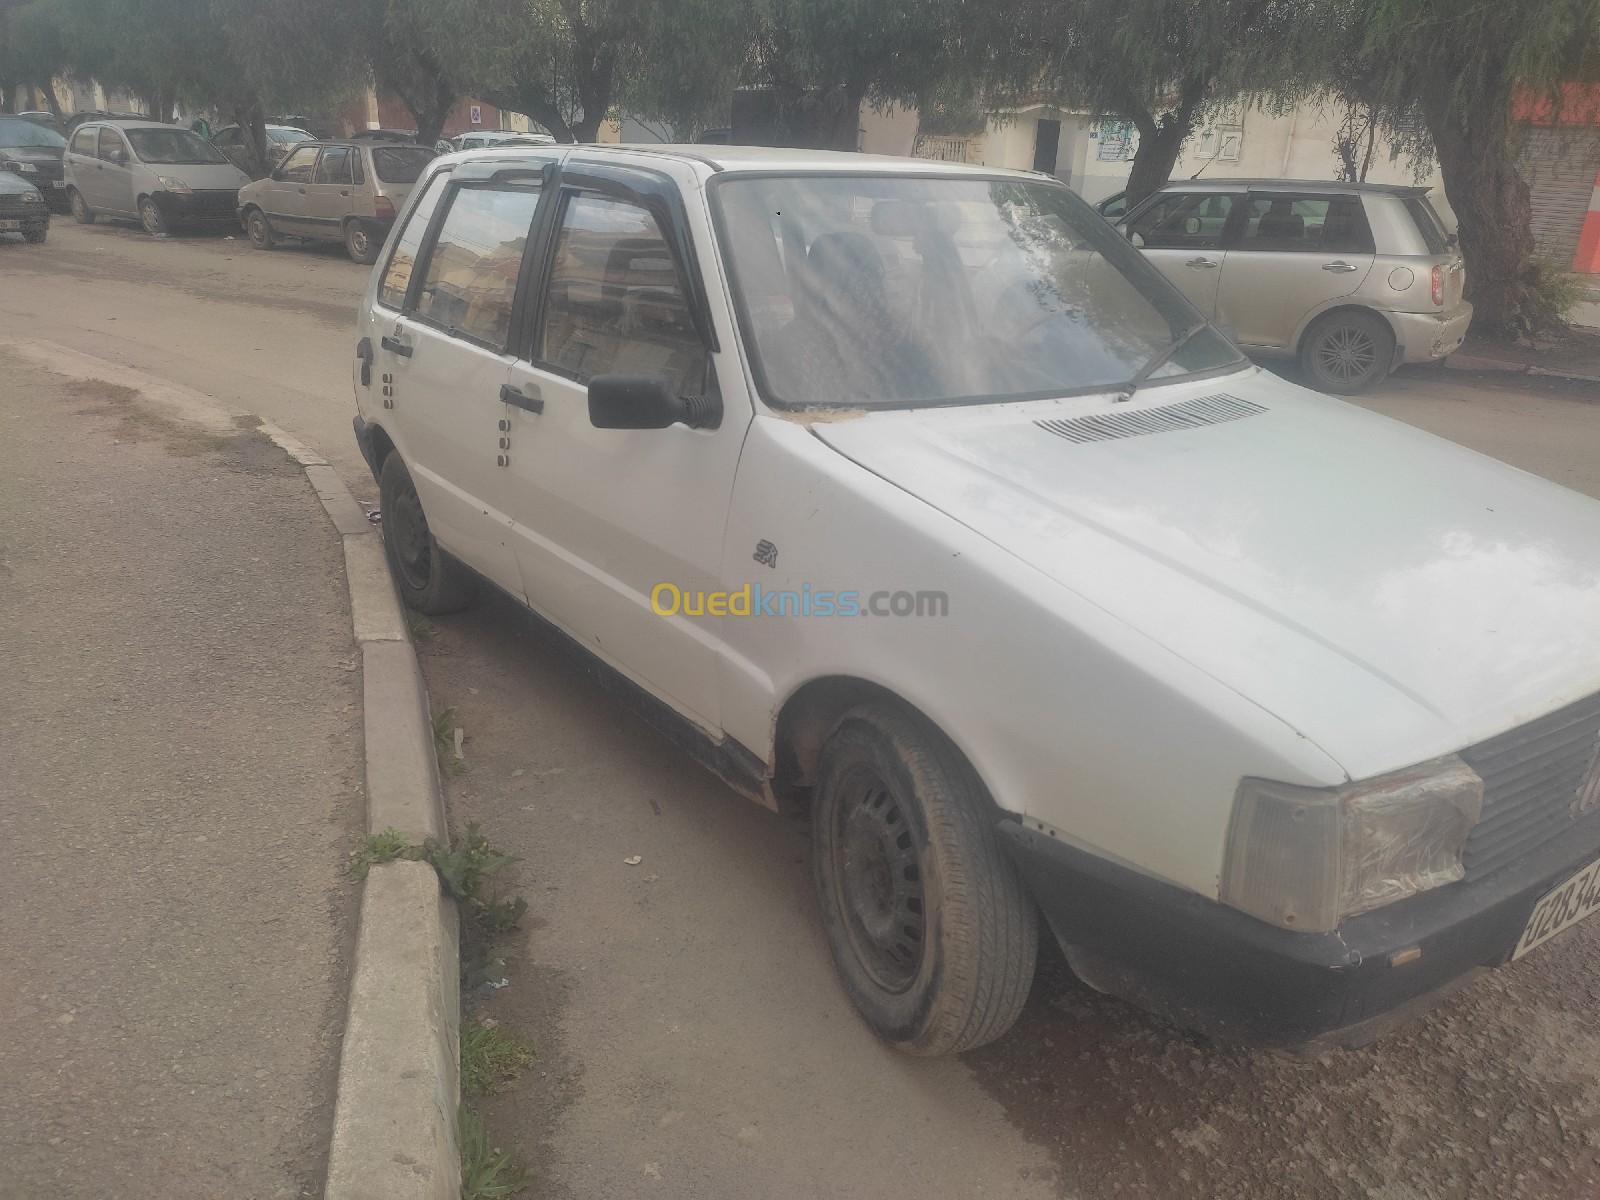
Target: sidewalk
x=181 y=740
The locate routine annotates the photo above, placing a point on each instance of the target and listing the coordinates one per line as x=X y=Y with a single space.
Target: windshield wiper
x=1159 y=361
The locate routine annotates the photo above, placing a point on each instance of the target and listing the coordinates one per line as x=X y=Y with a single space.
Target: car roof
x=1334 y=186
x=141 y=124
x=752 y=159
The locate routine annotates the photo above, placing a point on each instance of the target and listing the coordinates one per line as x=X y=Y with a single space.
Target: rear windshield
x=289 y=136
x=1427 y=223
x=173 y=146
x=400 y=164
x=17 y=132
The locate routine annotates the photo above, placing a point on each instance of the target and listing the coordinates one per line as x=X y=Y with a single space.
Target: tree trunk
x=1157 y=155
x=247 y=115
x=47 y=89
x=1494 y=209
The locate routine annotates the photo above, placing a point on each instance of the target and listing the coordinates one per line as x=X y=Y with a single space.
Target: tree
x=1466 y=64
x=1161 y=64
x=33 y=50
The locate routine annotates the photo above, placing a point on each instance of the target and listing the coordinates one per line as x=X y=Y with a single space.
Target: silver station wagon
x=1351 y=279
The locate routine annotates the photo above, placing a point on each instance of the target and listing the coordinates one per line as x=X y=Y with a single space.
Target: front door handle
x=517 y=398
x=1201 y=264
x=395 y=346
x=1340 y=267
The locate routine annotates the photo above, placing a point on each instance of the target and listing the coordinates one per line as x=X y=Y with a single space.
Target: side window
x=297 y=168
x=397 y=275
x=112 y=147
x=1184 y=221
x=83 y=143
x=470 y=279
x=615 y=301
x=334 y=165
x=1306 y=225
x=358 y=171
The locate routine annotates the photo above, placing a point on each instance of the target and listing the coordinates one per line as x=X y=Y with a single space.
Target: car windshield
x=896 y=291
x=16 y=132
x=173 y=146
x=400 y=164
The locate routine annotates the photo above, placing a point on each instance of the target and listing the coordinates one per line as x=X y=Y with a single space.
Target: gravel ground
x=180 y=734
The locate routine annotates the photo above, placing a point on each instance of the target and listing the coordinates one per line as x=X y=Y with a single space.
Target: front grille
x=212 y=204
x=49 y=170
x=1189 y=414
x=1531 y=777
x=15 y=205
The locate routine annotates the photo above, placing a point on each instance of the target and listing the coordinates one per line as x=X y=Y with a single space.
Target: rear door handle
x=515 y=397
x=1340 y=267
x=395 y=346
x=1201 y=264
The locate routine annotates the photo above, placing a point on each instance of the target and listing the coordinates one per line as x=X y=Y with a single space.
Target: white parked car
x=913 y=495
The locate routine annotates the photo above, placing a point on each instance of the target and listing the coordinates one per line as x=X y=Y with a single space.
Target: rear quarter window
x=400 y=164
x=1427 y=223
x=397 y=273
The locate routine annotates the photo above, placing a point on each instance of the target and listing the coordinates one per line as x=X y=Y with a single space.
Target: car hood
x=1390 y=595
x=202 y=177
x=14 y=185
x=31 y=154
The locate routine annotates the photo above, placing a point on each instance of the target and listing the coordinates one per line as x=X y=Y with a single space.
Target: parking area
x=692 y=1039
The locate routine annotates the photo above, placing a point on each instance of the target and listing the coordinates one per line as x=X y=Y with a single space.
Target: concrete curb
x=1471 y=362
x=394 y=1122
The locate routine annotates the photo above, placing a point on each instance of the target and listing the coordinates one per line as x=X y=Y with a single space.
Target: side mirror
x=1137 y=239
x=647 y=402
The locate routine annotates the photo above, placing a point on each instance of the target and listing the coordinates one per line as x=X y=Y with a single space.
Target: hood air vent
x=1191 y=414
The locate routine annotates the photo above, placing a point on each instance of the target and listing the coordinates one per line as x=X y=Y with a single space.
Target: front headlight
x=32 y=198
x=20 y=167
x=1306 y=858
x=176 y=186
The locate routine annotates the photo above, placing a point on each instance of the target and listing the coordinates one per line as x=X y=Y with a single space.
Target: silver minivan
x=344 y=191
x=1351 y=279
x=161 y=175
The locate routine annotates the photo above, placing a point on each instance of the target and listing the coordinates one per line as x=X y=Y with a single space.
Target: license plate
x=1562 y=908
x=10 y=226
x=58 y=183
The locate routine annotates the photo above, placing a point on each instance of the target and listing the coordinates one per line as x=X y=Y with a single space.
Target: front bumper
x=1428 y=337
x=32 y=219
x=199 y=207
x=1206 y=966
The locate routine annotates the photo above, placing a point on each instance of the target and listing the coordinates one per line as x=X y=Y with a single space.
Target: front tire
x=1347 y=352
x=931 y=929
x=150 y=217
x=359 y=243
x=259 y=230
x=428 y=579
x=81 y=212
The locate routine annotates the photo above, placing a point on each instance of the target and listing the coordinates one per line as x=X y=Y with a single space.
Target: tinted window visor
x=897 y=291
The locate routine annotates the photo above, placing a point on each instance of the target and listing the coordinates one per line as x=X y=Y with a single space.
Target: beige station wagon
x=1352 y=279
x=344 y=191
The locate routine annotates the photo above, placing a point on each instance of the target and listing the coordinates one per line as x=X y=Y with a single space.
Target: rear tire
x=259 y=230
x=932 y=931
x=81 y=212
x=359 y=243
x=1347 y=352
x=150 y=217
x=428 y=579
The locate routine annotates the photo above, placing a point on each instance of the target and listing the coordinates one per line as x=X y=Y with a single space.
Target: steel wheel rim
x=878 y=880
x=413 y=547
x=78 y=206
x=258 y=229
x=358 y=241
x=150 y=217
x=1347 y=353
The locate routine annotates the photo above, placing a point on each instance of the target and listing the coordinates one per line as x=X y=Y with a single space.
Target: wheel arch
x=1342 y=305
x=809 y=715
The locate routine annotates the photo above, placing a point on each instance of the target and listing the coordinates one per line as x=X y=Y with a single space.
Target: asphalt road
x=180 y=781
x=692 y=1040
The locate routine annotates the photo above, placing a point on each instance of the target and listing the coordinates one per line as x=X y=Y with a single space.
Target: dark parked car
x=46 y=119
x=22 y=209
x=33 y=152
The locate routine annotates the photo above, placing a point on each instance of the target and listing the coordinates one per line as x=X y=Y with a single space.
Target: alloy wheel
x=1346 y=354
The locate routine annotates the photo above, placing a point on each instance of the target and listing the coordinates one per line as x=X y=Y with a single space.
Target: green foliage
x=467 y=872
x=389 y=846
x=487 y=1172
x=491 y=1057
x=1552 y=294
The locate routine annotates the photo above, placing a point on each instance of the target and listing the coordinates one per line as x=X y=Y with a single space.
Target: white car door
x=1181 y=233
x=113 y=175
x=439 y=330
x=603 y=517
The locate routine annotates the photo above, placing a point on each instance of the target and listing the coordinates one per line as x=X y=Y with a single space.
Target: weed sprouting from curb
x=487 y=1172
x=375 y=848
x=491 y=1056
x=447 y=737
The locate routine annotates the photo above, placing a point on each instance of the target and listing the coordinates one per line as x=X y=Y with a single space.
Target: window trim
x=1234 y=235
x=425 y=250
x=417 y=193
x=316 y=169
